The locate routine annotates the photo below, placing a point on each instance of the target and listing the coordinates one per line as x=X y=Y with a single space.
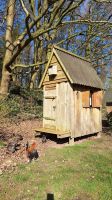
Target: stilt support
x=99 y=135
x=71 y=141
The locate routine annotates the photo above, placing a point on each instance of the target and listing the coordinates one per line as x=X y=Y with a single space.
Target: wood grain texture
x=49 y=114
x=97 y=97
x=60 y=134
x=67 y=106
x=85 y=98
x=60 y=73
x=87 y=120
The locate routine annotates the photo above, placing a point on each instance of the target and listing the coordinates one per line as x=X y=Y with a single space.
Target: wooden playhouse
x=72 y=96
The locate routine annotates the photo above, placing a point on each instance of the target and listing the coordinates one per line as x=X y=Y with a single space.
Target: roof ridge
x=70 y=53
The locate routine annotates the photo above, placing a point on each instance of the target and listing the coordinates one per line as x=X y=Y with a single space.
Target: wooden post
x=71 y=141
x=99 y=134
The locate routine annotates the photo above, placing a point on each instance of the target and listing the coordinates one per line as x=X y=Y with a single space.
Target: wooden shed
x=72 y=96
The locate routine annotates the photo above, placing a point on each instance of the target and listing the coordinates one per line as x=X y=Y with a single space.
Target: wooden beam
x=59 y=133
x=55 y=81
x=50 y=97
x=48 y=118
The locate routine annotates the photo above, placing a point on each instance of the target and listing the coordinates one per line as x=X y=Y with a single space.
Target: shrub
x=22 y=103
x=9 y=107
x=109 y=119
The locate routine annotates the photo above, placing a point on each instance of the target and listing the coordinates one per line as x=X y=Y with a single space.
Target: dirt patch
x=8 y=132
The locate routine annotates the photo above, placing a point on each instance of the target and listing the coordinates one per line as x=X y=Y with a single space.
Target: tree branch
x=66 y=11
x=24 y=8
x=29 y=65
x=87 y=22
x=103 y=1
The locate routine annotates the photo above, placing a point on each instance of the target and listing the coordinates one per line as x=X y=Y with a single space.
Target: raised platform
x=60 y=134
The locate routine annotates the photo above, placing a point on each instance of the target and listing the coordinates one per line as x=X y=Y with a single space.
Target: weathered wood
x=86 y=98
x=53 y=60
x=77 y=113
x=49 y=118
x=71 y=141
x=50 y=87
x=55 y=81
x=49 y=110
x=67 y=107
x=60 y=75
x=60 y=72
x=64 y=135
x=71 y=110
x=49 y=97
x=97 y=99
x=61 y=106
x=87 y=120
x=52 y=131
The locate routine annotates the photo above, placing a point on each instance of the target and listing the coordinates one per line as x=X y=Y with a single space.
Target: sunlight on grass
x=79 y=171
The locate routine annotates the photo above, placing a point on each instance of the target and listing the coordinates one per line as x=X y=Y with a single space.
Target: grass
x=79 y=172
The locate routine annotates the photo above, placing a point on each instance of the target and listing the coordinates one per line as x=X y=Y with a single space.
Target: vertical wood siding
x=67 y=108
x=64 y=107
x=49 y=108
x=85 y=98
x=87 y=120
x=97 y=99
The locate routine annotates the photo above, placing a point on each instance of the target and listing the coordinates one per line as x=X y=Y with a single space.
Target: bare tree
x=6 y=71
x=49 y=17
x=44 y=19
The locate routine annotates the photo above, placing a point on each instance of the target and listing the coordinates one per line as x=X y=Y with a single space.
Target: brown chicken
x=31 y=151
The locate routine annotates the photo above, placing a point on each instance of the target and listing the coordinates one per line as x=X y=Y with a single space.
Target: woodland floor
x=62 y=172
x=8 y=131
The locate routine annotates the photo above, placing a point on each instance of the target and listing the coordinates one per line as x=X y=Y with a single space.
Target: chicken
x=11 y=147
x=44 y=139
x=31 y=151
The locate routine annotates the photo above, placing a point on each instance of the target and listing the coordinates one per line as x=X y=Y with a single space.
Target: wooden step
x=59 y=133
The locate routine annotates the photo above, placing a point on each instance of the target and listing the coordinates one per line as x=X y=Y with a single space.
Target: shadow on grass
x=54 y=138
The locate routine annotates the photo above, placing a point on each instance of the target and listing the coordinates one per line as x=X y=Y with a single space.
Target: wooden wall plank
x=87 y=119
x=60 y=77
x=55 y=81
x=97 y=99
x=49 y=117
x=62 y=108
x=78 y=113
x=71 y=110
x=86 y=98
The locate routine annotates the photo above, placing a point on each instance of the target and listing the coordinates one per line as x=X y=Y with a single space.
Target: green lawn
x=79 y=172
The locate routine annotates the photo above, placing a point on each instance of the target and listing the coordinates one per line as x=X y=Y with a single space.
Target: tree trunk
x=33 y=78
x=88 y=45
x=6 y=70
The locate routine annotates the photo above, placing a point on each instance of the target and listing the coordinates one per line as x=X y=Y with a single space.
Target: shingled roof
x=78 y=68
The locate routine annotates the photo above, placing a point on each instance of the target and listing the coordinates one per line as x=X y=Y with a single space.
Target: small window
x=90 y=99
x=52 y=70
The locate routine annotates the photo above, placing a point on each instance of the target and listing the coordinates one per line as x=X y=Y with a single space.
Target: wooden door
x=49 y=114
